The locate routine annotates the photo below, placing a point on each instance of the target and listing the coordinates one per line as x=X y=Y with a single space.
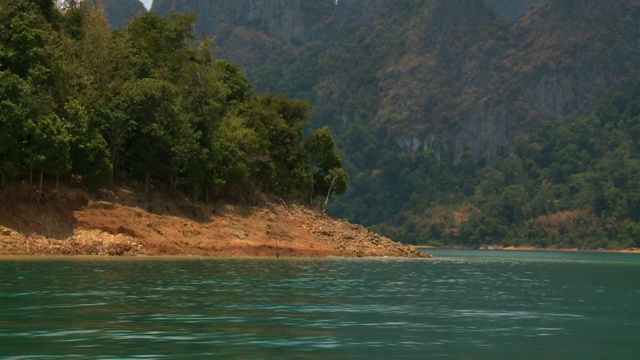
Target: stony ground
x=119 y=222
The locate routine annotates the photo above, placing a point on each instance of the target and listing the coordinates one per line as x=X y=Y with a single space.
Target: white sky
x=147 y=3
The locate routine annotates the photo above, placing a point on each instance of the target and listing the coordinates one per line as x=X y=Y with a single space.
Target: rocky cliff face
x=575 y=52
x=465 y=80
x=437 y=73
x=121 y=12
x=357 y=12
x=290 y=21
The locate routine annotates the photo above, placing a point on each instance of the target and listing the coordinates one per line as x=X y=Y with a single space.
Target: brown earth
x=121 y=222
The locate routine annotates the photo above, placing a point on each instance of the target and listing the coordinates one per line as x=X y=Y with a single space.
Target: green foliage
x=574 y=183
x=90 y=156
x=144 y=104
x=327 y=175
x=48 y=150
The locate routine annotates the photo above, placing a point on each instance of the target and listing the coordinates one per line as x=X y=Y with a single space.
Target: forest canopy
x=572 y=184
x=148 y=103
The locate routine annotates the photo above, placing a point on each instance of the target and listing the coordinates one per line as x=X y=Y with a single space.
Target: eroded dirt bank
x=121 y=223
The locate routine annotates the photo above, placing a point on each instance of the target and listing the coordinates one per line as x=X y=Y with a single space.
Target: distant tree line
x=148 y=103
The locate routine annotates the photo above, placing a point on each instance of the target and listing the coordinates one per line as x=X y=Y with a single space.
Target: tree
x=49 y=148
x=337 y=180
x=162 y=46
x=151 y=105
x=12 y=115
x=89 y=151
x=111 y=118
x=324 y=163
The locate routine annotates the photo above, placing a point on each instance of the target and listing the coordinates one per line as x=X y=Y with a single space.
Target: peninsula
x=123 y=222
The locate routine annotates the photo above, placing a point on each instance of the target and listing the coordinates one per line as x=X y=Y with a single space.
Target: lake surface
x=463 y=305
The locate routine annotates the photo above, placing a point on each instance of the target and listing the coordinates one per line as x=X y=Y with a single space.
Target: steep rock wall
x=356 y=12
x=470 y=82
x=290 y=21
x=444 y=70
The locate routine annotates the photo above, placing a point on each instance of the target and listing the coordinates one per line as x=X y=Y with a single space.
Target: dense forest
x=459 y=127
x=148 y=104
x=155 y=104
x=571 y=184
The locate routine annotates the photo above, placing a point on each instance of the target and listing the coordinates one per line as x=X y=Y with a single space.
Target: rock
x=76 y=202
x=103 y=205
x=126 y=231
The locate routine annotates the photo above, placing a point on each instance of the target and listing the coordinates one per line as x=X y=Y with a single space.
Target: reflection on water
x=462 y=305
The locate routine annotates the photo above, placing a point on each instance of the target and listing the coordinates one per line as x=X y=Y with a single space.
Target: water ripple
x=319 y=308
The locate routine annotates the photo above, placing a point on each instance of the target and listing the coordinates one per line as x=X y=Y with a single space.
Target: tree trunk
x=146 y=185
x=326 y=201
x=113 y=164
x=39 y=192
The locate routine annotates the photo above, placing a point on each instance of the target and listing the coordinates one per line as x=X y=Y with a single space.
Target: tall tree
x=49 y=150
x=12 y=116
x=327 y=175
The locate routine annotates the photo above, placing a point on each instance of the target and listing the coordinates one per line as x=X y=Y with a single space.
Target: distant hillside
x=450 y=81
x=443 y=74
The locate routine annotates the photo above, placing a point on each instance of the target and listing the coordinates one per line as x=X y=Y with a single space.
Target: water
x=476 y=304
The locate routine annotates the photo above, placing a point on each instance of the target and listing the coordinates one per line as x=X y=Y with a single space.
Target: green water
x=464 y=305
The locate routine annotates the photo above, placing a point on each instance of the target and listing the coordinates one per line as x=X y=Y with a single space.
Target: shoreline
x=532 y=248
x=106 y=258
x=122 y=223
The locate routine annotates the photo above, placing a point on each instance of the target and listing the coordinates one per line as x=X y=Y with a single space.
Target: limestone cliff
x=440 y=73
x=458 y=78
x=121 y=12
x=290 y=21
x=357 y=12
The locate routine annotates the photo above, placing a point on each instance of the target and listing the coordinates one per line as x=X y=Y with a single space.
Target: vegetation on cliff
x=148 y=103
x=573 y=184
x=433 y=101
x=456 y=127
